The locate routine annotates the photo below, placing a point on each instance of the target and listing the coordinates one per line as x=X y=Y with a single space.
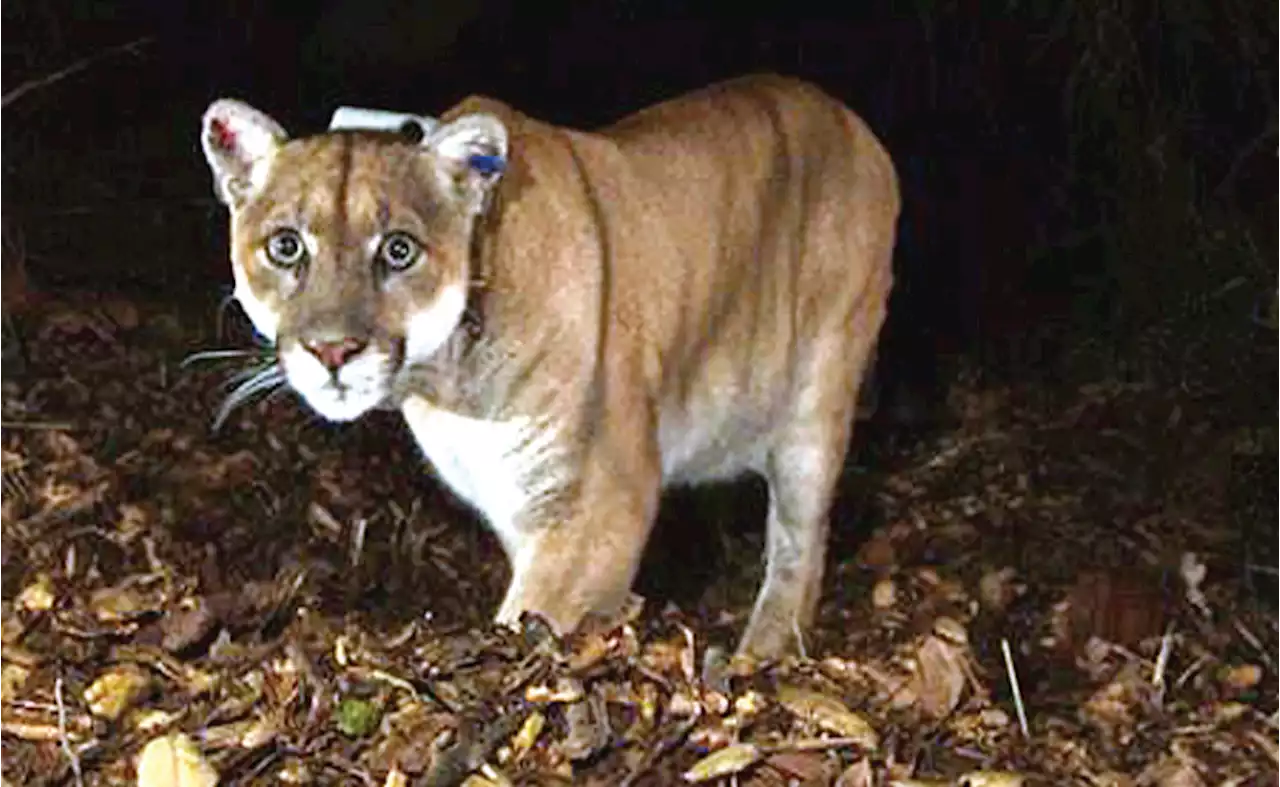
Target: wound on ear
x=223 y=136
x=487 y=164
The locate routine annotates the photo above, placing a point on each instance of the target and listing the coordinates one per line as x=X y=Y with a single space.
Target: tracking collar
x=417 y=129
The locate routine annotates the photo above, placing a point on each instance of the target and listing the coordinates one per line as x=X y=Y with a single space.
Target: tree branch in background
x=18 y=92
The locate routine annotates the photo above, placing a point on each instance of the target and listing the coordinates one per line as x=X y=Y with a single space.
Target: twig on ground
x=1251 y=638
x=351 y=769
x=15 y=481
x=63 y=740
x=33 y=426
x=1162 y=660
x=78 y=505
x=664 y=747
x=812 y=744
x=473 y=748
x=1013 y=684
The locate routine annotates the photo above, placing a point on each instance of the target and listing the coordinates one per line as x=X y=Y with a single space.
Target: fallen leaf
x=1242 y=677
x=528 y=735
x=828 y=713
x=1115 y=707
x=996 y=590
x=589 y=731
x=174 y=761
x=990 y=779
x=939 y=677
x=31 y=731
x=114 y=691
x=12 y=677
x=188 y=625
x=884 y=593
x=725 y=762
x=589 y=651
x=859 y=774
x=1169 y=772
x=38 y=596
x=1266 y=744
x=117 y=604
x=807 y=766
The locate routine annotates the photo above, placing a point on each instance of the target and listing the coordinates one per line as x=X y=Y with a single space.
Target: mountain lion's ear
x=472 y=154
x=236 y=139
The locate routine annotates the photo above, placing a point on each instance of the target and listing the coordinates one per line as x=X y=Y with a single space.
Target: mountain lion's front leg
x=584 y=562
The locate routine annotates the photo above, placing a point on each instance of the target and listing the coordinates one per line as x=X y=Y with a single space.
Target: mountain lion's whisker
x=215 y=355
x=267 y=379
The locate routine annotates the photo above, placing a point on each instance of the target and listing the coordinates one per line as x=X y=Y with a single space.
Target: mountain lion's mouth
x=347 y=392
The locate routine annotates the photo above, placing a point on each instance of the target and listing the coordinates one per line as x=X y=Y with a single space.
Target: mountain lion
x=570 y=321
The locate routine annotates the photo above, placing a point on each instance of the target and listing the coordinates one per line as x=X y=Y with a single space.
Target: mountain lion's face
x=350 y=250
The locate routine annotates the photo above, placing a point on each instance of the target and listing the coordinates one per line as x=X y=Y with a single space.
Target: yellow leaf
x=828 y=713
x=725 y=762
x=115 y=691
x=38 y=596
x=528 y=734
x=992 y=779
x=174 y=761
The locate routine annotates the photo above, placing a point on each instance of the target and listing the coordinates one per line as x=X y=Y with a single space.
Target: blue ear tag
x=486 y=164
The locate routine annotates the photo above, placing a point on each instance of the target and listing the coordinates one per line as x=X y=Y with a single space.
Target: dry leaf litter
x=283 y=602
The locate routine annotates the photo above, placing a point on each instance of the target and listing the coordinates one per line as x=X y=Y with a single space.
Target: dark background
x=1075 y=174
x=1089 y=231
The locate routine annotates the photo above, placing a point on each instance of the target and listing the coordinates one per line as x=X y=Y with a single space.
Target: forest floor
x=288 y=602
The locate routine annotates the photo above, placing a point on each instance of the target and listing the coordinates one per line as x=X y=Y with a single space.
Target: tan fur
x=690 y=294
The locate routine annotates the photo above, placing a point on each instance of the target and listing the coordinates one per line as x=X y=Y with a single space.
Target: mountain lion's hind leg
x=802 y=477
x=803 y=470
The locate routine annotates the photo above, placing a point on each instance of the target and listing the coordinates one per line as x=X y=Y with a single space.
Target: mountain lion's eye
x=398 y=251
x=285 y=249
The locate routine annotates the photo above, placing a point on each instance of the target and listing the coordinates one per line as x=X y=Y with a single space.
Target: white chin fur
x=364 y=383
x=361 y=385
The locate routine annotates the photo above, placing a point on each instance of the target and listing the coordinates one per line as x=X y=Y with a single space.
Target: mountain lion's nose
x=335 y=354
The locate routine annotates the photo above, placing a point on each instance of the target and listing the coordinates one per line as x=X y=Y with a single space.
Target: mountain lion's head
x=350 y=250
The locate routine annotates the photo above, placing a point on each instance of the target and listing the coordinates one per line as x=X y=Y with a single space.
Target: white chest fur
x=501 y=468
